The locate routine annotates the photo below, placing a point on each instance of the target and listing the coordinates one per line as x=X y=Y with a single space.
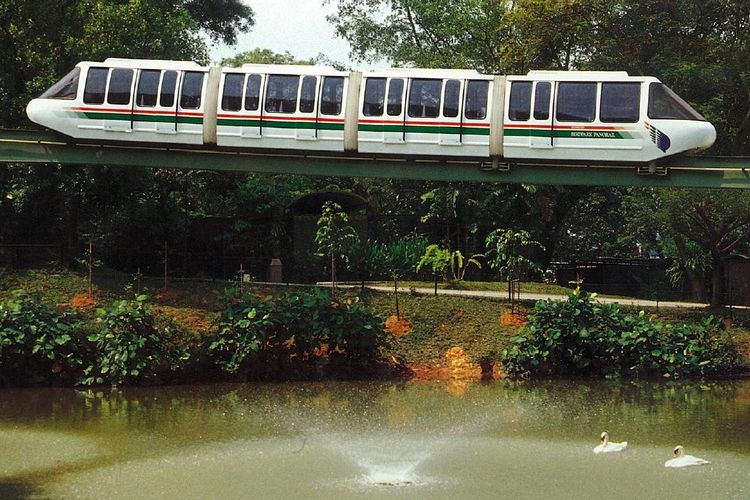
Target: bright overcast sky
x=297 y=26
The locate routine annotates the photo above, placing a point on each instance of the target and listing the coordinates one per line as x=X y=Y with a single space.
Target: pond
x=376 y=440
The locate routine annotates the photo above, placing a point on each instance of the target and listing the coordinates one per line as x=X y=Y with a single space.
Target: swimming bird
x=681 y=460
x=606 y=447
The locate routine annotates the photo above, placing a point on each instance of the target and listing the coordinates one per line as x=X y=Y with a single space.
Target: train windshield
x=664 y=104
x=67 y=88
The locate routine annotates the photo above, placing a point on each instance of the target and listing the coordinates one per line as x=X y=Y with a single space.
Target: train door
x=331 y=112
x=147 y=113
x=280 y=109
x=190 y=107
x=307 y=123
x=393 y=127
x=253 y=120
x=423 y=113
x=118 y=117
x=371 y=126
x=166 y=109
x=92 y=113
x=451 y=131
x=541 y=133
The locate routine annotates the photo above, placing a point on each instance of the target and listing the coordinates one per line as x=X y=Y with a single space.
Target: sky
x=297 y=26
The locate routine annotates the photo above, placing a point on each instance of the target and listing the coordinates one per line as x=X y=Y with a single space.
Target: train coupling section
x=652 y=169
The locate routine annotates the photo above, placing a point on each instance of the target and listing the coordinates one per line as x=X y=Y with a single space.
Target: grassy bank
x=448 y=335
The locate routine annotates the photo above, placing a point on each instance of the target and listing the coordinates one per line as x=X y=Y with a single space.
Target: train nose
x=707 y=136
x=35 y=111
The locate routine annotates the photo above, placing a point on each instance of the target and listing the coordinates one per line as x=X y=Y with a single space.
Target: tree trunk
x=395 y=294
x=717 y=282
x=333 y=276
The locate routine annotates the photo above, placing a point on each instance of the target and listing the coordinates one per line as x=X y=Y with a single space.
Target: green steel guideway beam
x=17 y=146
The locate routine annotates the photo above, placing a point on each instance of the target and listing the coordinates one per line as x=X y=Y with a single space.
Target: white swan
x=682 y=460
x=606 y=447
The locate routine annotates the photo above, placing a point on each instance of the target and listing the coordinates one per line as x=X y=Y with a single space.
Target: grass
x=489 y=286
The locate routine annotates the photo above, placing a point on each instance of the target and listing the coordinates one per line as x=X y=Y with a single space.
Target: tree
x=263 y=56
x=717 y=222
x=335 y=236
x=401 y=257
x=506 y=250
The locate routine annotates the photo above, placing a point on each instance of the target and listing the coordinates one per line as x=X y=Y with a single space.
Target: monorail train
x=558 y=117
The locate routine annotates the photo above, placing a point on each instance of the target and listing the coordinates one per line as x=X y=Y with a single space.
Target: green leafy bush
x=296 y=336
x=582 y=337
x=38 y=345
x=133 y=346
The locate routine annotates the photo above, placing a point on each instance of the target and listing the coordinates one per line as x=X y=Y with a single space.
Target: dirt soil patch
x=398 y=326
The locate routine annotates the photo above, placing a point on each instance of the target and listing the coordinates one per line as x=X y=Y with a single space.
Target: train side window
x=120 y=85
x=148 y=88
x=620 y=102
x=96 y=84
x=374 y=97
x=424 y=98
x=307 y=95
x=520 y=101
x=476 y=99
x=541 y=100
x=192 y=86
x=168 y=87
x=395 y=97
x=281 y=94
x=576 y=102
x=452 y=98
x=252 y=93
x=332 y=95
x=231 y=97
x=66 y=88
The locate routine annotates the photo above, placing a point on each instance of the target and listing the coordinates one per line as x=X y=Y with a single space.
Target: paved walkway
x=536 y=296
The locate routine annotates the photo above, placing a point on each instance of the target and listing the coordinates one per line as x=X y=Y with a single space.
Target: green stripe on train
x=279 y=124
x=423 y=129
x=196 y=120
x=572 y=134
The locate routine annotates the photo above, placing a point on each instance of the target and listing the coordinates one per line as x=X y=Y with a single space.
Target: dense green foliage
x=37 y=344
x=298 y=335
x=132 y=347
x=583 y=337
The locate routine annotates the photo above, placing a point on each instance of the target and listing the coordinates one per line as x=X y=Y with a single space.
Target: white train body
x=543 y=117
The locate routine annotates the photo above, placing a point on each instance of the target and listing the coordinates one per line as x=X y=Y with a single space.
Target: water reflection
x=428 y=439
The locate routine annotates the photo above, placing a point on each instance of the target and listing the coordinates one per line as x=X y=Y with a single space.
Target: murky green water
x=375 y=440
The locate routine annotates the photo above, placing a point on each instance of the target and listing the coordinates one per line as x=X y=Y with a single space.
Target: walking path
x=534 y=296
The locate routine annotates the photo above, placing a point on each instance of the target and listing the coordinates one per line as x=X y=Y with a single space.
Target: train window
x=541 y=100
x=66 y=88
x=231 y=97
x=168 y=87
x=476 y=99
x=332 y=95
x=120 y=85
x=395 y=97
x=664 y=104
x=620 y=102
x=96 y=83
x=374 y=97
x=192 y=86
x=148 y=88
x=281 y=94
x=307 y=95
x=252 y=93
x=520 y=101
x=576 y=102
x=424 y=98
x=452 y=98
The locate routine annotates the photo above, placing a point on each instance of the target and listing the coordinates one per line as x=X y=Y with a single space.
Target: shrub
x=38 y=345
x=583 y=337
x=296 y=335
x=132 y=345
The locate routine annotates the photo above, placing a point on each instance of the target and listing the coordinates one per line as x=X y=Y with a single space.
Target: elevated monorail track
x=36 y=147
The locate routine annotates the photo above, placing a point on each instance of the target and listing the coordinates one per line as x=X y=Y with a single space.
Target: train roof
x=115 y=62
